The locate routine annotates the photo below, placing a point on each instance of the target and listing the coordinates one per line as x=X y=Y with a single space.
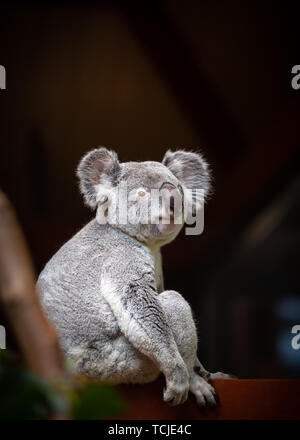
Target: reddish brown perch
x=240 y=399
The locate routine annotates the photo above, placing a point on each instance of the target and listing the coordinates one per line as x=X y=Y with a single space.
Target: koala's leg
x=181 y=322
x=113 y=361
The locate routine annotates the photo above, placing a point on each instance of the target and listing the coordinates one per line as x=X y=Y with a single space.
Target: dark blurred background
x=144 y=77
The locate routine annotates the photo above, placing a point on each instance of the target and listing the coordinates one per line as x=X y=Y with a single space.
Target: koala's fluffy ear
x=190 y=168
x=99 y=166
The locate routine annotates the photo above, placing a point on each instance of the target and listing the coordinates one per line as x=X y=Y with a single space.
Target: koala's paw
x=177 y=388
x=205 y=394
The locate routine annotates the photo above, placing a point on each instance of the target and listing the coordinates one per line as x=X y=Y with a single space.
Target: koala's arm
x=130 y=290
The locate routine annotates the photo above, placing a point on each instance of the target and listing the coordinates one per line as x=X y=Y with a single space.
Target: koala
x=104 y=291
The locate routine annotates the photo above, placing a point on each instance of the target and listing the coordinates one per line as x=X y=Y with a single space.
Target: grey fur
x=99 y=165
x=190 y=168
x=103 y=289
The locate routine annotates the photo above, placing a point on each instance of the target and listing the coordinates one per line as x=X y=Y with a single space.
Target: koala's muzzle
x=170 y=208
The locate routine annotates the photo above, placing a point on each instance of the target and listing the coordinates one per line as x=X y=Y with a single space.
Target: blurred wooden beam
x=259 y=176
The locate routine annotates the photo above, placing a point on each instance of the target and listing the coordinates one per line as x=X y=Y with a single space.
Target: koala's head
x=147 y=200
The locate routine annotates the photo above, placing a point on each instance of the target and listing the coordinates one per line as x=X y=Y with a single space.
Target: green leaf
x=98 y=401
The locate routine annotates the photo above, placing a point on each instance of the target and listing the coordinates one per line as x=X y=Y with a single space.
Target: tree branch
x=36 y=336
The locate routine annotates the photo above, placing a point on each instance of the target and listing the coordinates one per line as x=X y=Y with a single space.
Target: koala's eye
x=141 y=193
x=167 y=185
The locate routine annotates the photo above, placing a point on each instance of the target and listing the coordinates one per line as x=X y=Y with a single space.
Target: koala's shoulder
x=97 y=246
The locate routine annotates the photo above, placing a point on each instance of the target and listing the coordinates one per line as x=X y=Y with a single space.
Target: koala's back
x=69 y=286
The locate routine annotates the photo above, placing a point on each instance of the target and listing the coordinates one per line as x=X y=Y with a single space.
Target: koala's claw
x=175 y=396
x=205 y=394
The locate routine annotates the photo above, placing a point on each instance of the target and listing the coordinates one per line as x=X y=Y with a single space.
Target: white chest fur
x=157 y=259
